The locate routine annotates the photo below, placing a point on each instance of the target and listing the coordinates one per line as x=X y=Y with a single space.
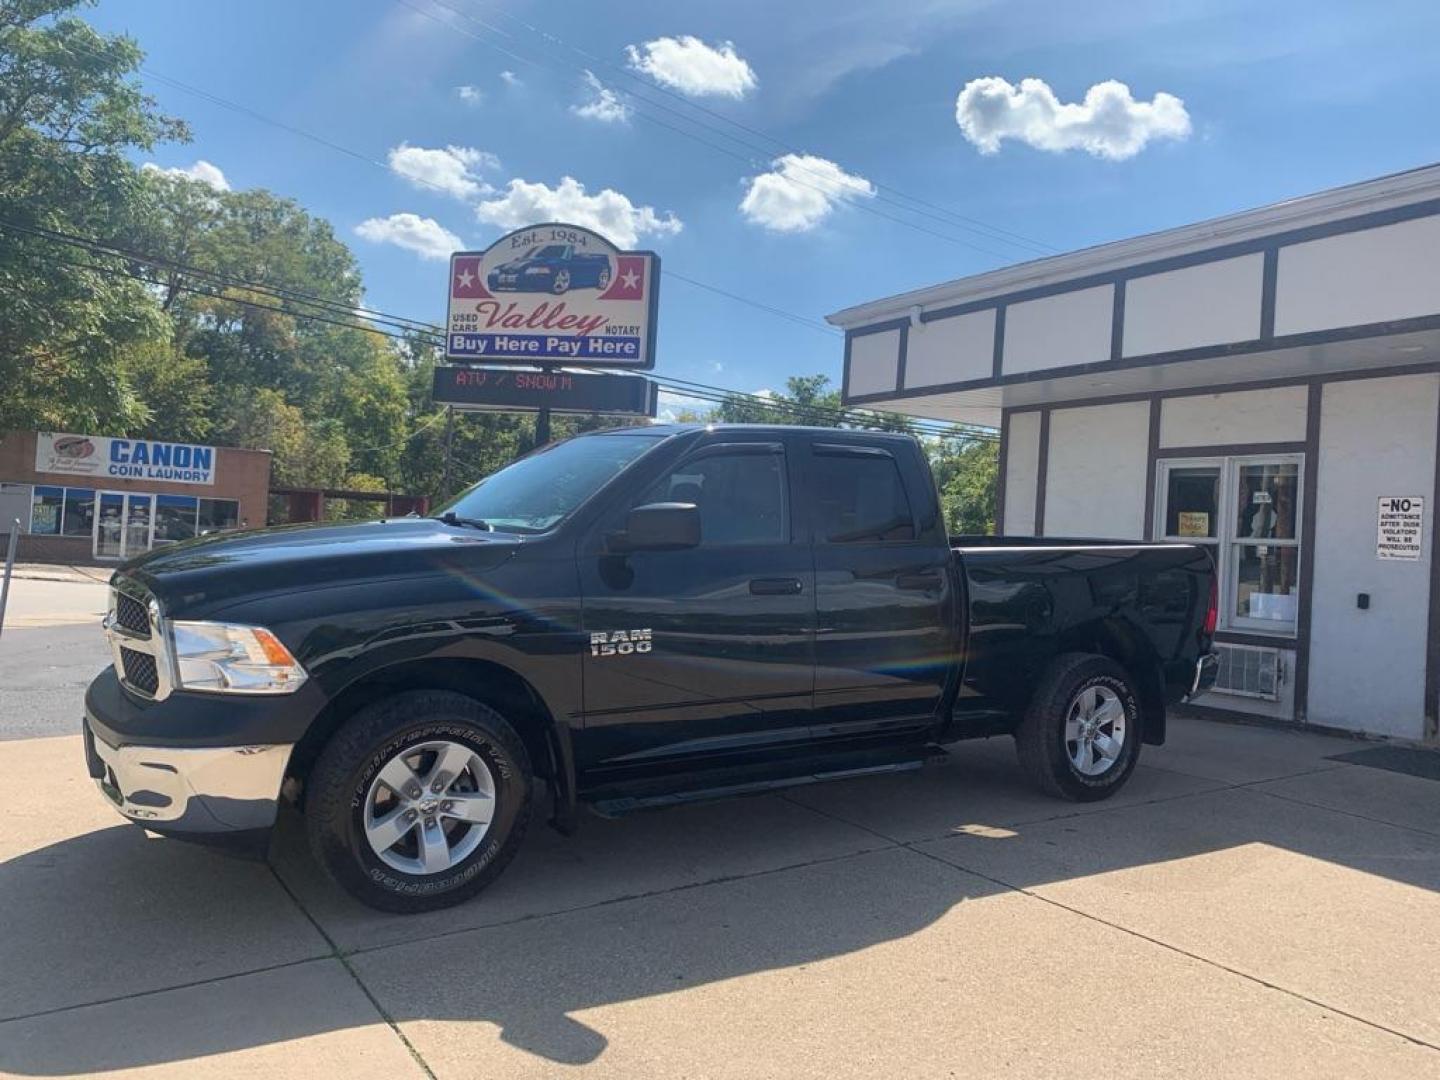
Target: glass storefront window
x=175 y=517
x=217 y=515
x=45 y=510
x=1247 y=512
x=79 y=512
x=1267 y=583
x=1192 y=502
x=1267 y=498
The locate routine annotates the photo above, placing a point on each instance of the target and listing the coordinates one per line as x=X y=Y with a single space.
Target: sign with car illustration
x=553 y=294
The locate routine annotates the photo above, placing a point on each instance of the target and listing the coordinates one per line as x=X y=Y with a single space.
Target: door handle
x=919 y=582
x=775 y=586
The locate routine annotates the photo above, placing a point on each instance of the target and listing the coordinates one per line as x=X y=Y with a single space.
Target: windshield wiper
x=451 y=518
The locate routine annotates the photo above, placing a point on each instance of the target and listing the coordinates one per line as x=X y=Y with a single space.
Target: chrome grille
x=139 y=670
x=138 y=640
x=132 y=614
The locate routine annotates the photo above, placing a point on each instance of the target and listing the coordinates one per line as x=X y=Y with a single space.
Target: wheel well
x=490 y=683
x=1127 y=646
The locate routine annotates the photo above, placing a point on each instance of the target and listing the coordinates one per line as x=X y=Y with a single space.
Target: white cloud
x=689 y=65
x=424 y=236
x=608 y=212
x=1109 y=123
x=470 y=95
x=509 y=78
x=206 y=173
x=800 y=192
x=453 y=170
x=604 y=104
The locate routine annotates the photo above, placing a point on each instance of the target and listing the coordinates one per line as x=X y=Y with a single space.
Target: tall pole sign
x=553 y=294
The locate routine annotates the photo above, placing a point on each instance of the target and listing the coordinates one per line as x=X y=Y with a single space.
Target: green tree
x=966 y=473
x=807 y=400
x=70 y=111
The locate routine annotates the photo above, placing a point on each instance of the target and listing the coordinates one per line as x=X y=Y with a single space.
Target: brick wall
x=243 y=475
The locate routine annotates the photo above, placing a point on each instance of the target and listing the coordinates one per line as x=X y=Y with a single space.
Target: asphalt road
x=50 y=647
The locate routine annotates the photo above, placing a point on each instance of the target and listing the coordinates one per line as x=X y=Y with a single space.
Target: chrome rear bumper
x=1205 y=670
x=205 y=790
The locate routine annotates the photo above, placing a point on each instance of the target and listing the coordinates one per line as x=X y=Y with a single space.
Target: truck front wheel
x=1080 y=736
x=419 y=801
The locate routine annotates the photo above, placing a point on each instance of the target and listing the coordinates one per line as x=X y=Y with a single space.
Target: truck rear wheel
x=419 y=801
x=1080 y=736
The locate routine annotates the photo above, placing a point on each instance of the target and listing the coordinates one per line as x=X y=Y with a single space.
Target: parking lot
x=1247 y=906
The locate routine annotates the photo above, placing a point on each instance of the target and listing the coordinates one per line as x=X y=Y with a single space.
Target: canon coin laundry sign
x=129 y=459
x=554 y=294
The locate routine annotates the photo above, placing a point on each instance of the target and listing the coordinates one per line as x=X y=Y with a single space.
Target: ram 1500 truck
x=634 y=618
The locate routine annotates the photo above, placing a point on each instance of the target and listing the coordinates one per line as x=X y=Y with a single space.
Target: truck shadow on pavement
x=628 y=910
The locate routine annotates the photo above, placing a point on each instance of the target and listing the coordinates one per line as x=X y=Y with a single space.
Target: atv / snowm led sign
x=552 y=294
x=502 y=390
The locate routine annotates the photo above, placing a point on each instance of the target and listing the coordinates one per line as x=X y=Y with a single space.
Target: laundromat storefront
x=95 y=498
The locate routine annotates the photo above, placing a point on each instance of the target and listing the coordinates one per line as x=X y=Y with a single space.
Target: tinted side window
x=741 y=497
x=860 y=498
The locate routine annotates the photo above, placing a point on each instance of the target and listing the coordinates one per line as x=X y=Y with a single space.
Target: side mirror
x=659 y=527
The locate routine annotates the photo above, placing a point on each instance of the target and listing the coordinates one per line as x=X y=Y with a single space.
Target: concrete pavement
x=1247 y=907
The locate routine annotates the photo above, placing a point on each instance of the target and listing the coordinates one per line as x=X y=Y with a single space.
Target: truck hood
x=214 y=571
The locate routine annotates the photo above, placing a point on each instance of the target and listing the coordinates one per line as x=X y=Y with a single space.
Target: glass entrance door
x=124 y=524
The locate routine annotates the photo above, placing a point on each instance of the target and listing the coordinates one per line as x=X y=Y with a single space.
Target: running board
x=622 y=805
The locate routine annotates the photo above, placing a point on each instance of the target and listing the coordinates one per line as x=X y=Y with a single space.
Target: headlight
x=538 y=270
x=233 y=659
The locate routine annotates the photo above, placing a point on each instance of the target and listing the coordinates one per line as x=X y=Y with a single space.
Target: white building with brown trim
x=1266 y=383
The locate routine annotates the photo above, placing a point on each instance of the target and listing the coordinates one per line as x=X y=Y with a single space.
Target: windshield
x=540 y=490
x=554 y=251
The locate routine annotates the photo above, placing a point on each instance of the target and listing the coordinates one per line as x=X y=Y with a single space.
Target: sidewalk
x=56 y=572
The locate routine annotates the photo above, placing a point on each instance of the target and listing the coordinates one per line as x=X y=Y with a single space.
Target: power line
x=936 y=211
x=434 y=335
x=349 y=152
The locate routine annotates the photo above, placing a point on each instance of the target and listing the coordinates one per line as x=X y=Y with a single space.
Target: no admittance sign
x=1401 y=527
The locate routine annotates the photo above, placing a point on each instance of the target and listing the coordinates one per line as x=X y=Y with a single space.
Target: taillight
x=1212 y=616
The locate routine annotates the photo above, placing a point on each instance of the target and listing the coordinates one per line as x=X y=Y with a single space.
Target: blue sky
x=1258 y=102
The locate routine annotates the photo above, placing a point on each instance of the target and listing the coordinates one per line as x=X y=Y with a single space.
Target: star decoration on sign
x=466 y=278
x=630 y=278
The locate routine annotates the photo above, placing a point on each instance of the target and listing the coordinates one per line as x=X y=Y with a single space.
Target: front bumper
x=224 y=795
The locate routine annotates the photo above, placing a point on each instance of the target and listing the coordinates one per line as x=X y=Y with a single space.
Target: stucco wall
x=1376 y=275
x=874 y=362
x=951 y=350
x=1095 y=475
x=1022 y=460
x=1367 y=668
x=1200 y=305
x=1056 y=331
x=1247 y=416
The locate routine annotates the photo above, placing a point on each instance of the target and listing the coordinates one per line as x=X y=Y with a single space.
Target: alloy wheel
x=429 y=808
x=1095 y=730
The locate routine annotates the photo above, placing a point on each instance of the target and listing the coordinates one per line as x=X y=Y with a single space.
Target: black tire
x=340 y=782
x=1040 y=739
